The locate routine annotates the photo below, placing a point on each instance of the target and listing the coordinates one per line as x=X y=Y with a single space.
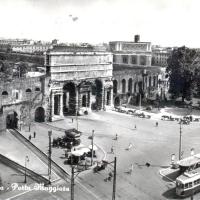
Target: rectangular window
x=125 y=59
x=186 y=185
x=142 y=60
x=114 y=58
x=134 y=59
x=17 y=95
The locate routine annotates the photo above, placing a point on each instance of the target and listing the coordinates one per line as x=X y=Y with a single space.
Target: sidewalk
x=17 y=152
x=58 y=155
x=170 y=174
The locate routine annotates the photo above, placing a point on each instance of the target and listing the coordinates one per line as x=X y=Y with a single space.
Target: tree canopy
x=182 y=69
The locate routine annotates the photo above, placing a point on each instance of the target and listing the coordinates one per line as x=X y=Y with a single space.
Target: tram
x=188 y=183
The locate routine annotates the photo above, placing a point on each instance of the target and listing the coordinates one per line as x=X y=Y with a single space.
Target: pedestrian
x=135 y=127
x=116 y=136
x=131 y=169
x=29 y=137
x=130 y=146
x=110 y=175
x=112 y=150
x=156 y=124
x=34 y=134
x=72 y=120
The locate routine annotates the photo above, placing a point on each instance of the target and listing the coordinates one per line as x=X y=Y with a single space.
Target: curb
x=160 y=172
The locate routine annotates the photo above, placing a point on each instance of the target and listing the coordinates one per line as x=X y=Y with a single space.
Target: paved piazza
x=150 y=144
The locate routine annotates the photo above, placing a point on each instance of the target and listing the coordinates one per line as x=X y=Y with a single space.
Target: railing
x=41 y=155
x=36 y=177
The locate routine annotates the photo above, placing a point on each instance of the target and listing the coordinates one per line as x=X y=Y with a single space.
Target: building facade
x=160 y=56
x=80 y=79
x=134 y=78
x=22 y=101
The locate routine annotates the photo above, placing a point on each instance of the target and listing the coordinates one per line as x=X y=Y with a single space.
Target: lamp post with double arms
x=49 y=158
x=92 y=153
x=180 y=141
x=26 y=160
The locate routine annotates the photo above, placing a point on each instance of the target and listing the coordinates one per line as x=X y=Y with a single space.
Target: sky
x=161 y=22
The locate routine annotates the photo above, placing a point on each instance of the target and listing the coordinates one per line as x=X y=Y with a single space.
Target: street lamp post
x=114 y=178
x=180 y=141
x=92 y=153
x=49 y=160
x=26 y=160
x=72 y=184
x=77 y=120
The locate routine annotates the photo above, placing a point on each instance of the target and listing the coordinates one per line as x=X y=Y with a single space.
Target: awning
x=80 y=152
x=94 y=147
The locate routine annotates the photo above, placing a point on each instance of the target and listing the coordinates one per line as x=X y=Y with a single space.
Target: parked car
x=184 y=121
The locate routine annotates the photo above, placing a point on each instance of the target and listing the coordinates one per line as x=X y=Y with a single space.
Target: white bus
x=188 y=183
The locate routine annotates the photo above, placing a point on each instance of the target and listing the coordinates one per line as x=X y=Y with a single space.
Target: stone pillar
x=103 y=97
x=61 y=104
x=77 y=99
x=111 y=97
x=138 y=60
x=90 y=102
x=52 y=104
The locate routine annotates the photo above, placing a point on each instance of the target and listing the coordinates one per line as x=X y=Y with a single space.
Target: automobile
x=130 y=111
x=184 y=121
x=165 y=117
x=141 y=115
x=196 y=119
x=149 y=108
x=72 y=135
x=148 y=116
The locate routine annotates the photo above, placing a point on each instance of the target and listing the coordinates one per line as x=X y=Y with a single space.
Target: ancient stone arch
x=39 y=114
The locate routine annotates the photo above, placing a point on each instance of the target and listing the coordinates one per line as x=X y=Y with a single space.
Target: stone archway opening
x=117 y=102
x=11 y=120
x=40 y=114
x=130 y=85
x=84 y=101
x=69 y=99
x=115 y=86
x=99 y=88
x=123 y=86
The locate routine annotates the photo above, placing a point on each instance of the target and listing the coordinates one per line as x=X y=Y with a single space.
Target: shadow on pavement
x=170 y=194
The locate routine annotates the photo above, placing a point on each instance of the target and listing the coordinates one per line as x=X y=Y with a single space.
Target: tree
x=181 y=70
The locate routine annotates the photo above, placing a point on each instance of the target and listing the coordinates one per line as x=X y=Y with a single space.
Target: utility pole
x=77 y=120
x=26 y=160
x=180 y=138
x=49 y=160
x=72 y=183
x=140 y=101
x=114 y=179
x=92 y=153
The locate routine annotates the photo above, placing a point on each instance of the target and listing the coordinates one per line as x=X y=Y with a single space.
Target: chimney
x=137 y=38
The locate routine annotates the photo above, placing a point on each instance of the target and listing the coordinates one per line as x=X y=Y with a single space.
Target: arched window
x=28 y=90
x=37 y=89
x=130 y=82
x=149 y=81
x=123 y=86
x=4 y=93
x=154 y=81
x=115 y=86
x=135 y=87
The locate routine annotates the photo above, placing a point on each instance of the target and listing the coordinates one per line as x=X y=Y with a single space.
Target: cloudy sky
x=164 y=22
